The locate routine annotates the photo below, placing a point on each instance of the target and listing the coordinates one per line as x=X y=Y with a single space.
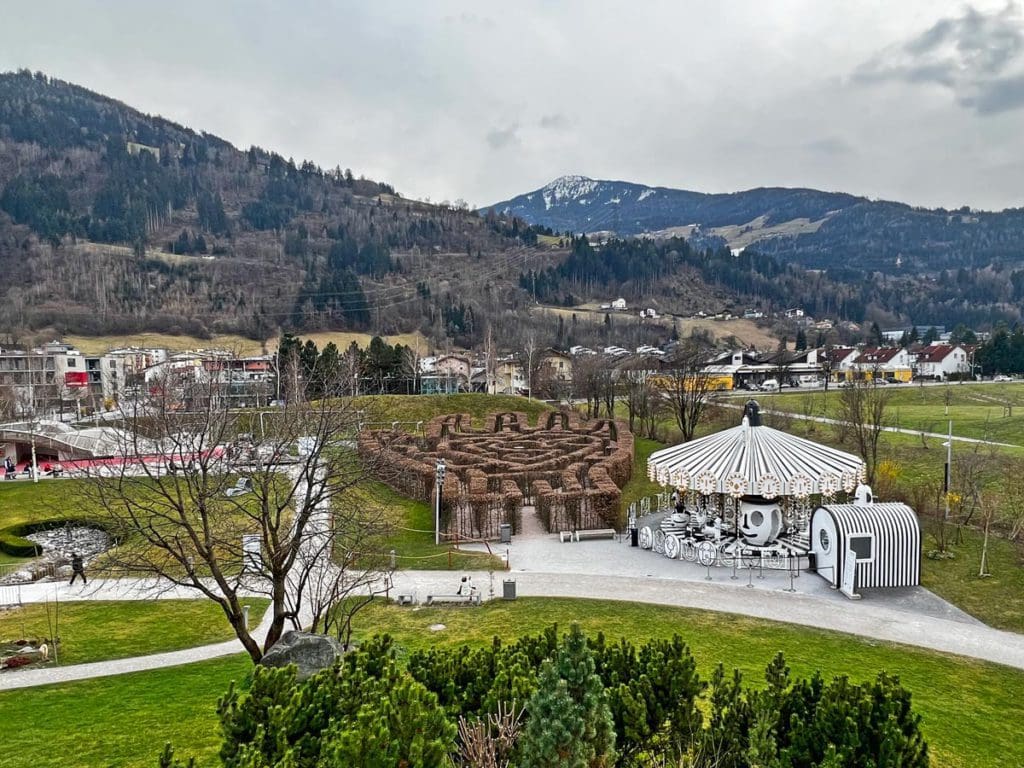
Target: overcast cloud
x=916 y=101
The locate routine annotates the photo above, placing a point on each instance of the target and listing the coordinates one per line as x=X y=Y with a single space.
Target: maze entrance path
x=532 y=527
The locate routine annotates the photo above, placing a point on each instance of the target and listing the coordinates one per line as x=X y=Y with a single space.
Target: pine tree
x=553 y=737
x=570 y=722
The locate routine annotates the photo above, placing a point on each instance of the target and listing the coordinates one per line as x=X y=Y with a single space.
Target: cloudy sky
x=919 y=101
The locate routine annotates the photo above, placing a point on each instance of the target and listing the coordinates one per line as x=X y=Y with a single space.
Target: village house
x=942 y=361
x=557 y=365
x=884 y=362
x=450 y=374
x=838 y=362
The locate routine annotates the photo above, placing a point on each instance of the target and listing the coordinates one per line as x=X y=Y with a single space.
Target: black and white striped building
x=874 y=545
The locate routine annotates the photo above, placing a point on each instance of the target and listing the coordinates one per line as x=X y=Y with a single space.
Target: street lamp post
x=32 y=424
x=439 y=471
x=949 y=466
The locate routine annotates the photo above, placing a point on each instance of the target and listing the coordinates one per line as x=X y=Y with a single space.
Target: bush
x=588 y=703
x=15 y=546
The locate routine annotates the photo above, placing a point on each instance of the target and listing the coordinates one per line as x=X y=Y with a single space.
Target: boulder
x=308 y=652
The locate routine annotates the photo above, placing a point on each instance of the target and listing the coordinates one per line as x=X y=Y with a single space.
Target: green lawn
x=413 y=535
x=97 y=631
x=970 y=709
x=638 y=485
x=998 y=599
x=413 y=408
x=118 y=722
x=985 y=411
x=24 y=502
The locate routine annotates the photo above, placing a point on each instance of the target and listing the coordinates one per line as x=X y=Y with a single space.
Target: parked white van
x=770 y=385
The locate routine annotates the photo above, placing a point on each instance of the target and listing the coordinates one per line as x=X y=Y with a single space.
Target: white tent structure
x=755 y=460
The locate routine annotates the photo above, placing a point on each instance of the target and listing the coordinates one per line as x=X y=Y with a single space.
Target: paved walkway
x=123 y=589
x=898 y=619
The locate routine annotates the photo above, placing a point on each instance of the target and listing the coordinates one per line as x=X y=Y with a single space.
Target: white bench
x=472 y=599
x=596 y=533
x=405 y=599
x=593 y=533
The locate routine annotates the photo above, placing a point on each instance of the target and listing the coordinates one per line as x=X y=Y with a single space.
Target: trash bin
x=634 y=537
x=505 y=532
x=508 y=591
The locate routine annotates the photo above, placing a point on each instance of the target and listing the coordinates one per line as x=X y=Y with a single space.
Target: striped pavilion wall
x=897 y=546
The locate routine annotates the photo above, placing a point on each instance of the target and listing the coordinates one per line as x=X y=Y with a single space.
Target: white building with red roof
x=942 y=361
x=885 y=362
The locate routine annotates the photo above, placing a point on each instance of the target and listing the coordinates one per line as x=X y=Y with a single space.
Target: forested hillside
x=112 y=221
x=115 y=221
x=891 y=261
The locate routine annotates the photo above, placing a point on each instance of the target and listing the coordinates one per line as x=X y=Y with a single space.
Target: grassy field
x=638 y=485
x=412 y=538
x=970 y=709
x=998 y=599
x=24 y=502
x=413 y=408
x=99 y=344
x=118 y=722
x=97 y=631
x=983 y=411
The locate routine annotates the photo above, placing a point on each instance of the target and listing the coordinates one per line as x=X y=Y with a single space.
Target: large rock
x=309 y=652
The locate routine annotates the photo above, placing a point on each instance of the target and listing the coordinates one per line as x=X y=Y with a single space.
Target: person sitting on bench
x=466 y=587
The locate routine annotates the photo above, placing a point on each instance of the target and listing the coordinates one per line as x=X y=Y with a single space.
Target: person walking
x=77 y=568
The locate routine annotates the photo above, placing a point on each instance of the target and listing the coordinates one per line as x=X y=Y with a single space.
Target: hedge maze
x=570 y=470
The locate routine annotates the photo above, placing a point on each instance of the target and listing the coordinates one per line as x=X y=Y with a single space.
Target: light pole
x=439 y=471
x=949 y=466
x=32 y=424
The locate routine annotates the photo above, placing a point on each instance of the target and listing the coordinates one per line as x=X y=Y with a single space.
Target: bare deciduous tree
x=861 y=411
x=490 y=743
x=198 y=477
x=989 y=506
x=688 y=385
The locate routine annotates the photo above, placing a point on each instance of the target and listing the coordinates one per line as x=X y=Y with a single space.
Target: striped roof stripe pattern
x=897 y=541
x=759 y=461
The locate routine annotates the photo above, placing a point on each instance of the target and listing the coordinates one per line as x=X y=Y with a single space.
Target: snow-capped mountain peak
x=570 y=187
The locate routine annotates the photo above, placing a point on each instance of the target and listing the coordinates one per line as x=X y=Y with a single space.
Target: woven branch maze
x=571 y=470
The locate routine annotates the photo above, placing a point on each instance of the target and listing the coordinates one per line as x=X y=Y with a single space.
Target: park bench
x=405 y=599
x=471 y=599
x=596 y=533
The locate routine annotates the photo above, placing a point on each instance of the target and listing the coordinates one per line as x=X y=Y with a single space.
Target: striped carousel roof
x=752 y=459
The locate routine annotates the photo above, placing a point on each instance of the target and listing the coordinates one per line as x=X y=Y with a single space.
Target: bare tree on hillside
x=862 y=416
x=586 y=384
x=688 y=385
x=644 y=403
x=229 y=504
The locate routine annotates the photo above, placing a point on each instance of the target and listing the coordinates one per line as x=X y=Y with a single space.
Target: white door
x=825 y=546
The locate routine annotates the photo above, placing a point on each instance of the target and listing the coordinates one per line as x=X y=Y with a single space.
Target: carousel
x=745 y=495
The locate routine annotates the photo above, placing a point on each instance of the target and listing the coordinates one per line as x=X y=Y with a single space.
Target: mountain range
x=113 y=221
x=820 y=230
